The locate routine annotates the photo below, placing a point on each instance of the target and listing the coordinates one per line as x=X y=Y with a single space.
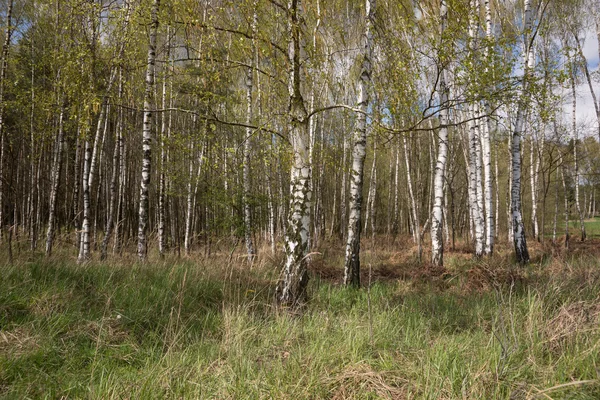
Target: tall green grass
x=205 y=330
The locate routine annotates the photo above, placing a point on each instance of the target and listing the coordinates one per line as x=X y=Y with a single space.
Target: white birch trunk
x=437 y=214
x=343 y=200
x=114 y=182
x=55 y=181
x=475 y=170
x=519 y=239
x=291 y=291
x=91 y=155
x=370 y=214
x=532 y=180
x=84 y=247
x=588 y=76
x=414 y=205
x=566 y=200
x=475 y=187
x=142 y=246
x=271 y=205
x=555 y=219
x=251 y=252
x=575 y=155
x=121 y=191
x=490 y=221
x=359 y=152
x=100 y=175
x=187 y=240
x=163 y=155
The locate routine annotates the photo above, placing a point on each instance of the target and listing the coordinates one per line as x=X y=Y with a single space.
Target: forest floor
x=205 y=327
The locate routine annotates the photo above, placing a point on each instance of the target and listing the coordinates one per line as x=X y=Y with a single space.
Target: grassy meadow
x=206 y=327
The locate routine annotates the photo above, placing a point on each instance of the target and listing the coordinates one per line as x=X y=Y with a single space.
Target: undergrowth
x=208 y=329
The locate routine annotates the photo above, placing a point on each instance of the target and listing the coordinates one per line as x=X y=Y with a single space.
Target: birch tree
x=575 y=139
x=490 y=229
x=248 y=140
x=437 y=216
x=352 y=260
x=142 y=247
x=55 y=176
x=519 y=239
x=292 y=289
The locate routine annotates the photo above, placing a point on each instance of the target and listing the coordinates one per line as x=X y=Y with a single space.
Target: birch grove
x=289 y=129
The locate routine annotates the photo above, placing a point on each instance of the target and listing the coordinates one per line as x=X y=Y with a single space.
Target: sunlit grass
x=207 y=329
x=592 y=226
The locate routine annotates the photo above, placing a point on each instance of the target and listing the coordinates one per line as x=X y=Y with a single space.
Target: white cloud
x=590 y=49
x=586 y=112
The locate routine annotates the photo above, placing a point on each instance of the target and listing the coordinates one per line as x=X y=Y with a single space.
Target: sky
x=585 y=105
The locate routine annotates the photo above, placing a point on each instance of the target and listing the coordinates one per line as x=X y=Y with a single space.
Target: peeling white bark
x=490 y=221
x=251 y=252
x=359 y=152
x=437 y=215
x=292 y=289
x=519 y=239
x=142 y=247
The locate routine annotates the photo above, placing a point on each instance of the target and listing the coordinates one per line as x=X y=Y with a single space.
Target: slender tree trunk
x=163 y=156
x=143 y=213
x=555 y=220
x=89 y=171
x=3 y=68
x=187 y=241
x=370 y=215
x=395 y=223
x=534 y=200
x=588 y=76
x=437 y=215
x=84 y=248
x=55 y=181
x=271 y=206
x=292 y=289
x=566 y=200
x=497 y=202
x=112 y=203
x=343 y=200
x=575 y=155
x=250 y=250
x=475 y=187
x=33 y=156
x=414 y=205
x=101 y=163
x=117 y=245
x=509 y=224
x=359 y=152
x=519 y=239
x=196 y=180
x=490 y=221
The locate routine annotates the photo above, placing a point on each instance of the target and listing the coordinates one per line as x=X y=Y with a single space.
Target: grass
x=207 y=329
x=592 y=227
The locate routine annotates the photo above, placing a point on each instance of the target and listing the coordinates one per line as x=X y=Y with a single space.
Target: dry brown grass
x=18 y=341
x=571 y=320
x=360 y=379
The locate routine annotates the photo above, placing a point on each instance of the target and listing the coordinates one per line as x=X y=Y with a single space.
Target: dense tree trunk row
x=204 y=125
